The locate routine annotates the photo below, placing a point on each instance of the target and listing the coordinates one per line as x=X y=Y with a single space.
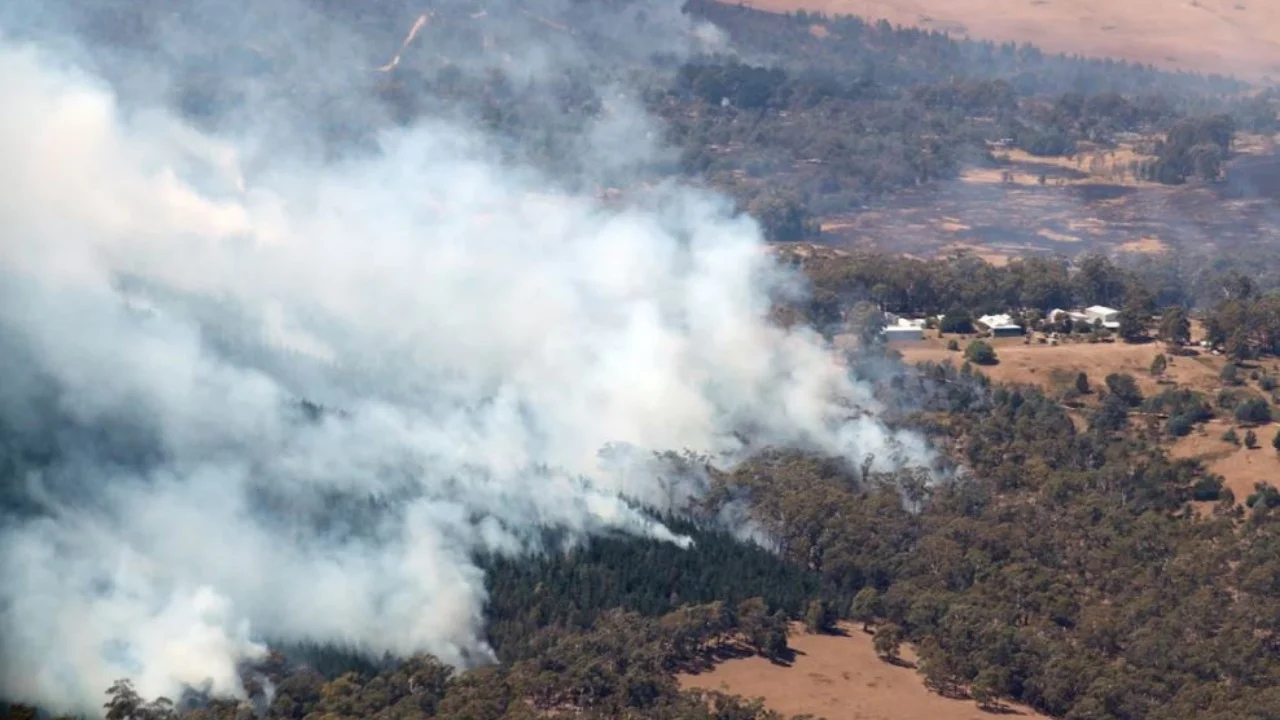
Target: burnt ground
x=1073 y=212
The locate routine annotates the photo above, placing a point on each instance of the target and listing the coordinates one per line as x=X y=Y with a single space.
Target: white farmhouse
x=1099 y=313
x=1001 y=325
x=900 y=328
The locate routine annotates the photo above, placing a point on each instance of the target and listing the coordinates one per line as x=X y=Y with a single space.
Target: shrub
x=980 y=353
x=820 y=617
x=1230 y=374
x=1265 y=495
x=1123 y=386
x=1253 y=410
x=1179 y=425
x=1207 y=489
x=1158 y=365
x=1267 y=383
x=1111 y=417
x=1229 y=399
x=1230 y=436
x=1180 y=402
x=953 y=345
x=1251 y=440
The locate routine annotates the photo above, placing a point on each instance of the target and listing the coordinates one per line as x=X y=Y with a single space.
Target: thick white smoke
x=481 y=336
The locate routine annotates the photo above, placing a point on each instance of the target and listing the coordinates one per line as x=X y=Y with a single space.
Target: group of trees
x=964 y=286
x=1246 y=325
x=620 y=668
x=1238 y=316
x=1193 y=147
x=1067 y=572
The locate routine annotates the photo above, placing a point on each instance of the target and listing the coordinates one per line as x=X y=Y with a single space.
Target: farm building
x=1001 y=325
x=902 y=329
x=1108 y=317
x=1099 y=313
x=1075 y=315
x=897 y=333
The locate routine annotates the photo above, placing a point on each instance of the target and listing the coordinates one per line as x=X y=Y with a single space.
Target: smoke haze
x=475 y=333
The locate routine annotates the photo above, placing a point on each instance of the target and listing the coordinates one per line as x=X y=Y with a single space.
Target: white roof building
x=900 y=328
x=1001 y=320
x=1109 y=317
x=897 y=321
x=1002 y=324
x=897 y=332
x=1073 y=314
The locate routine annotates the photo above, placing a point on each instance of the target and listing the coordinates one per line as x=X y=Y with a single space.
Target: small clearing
x=839 y=677
x=1239 y=467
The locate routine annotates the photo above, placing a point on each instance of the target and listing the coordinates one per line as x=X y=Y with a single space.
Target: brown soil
x=839 y=677
x=1240 y=37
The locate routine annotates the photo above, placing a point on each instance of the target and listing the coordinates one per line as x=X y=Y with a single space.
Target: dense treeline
x=620 y=668
x=965 y=285
x=1066 y=572
x=570 y=590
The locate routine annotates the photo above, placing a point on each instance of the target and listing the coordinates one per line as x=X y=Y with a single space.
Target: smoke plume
x=253 y=390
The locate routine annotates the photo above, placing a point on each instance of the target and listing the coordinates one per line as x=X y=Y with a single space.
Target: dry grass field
x=1053 y=367
x=1239 y=467
x=839 y=677
x=1238 y=37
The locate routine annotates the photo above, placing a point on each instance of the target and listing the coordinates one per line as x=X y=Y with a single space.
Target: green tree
x=866 y=321
x=1135 y=317
x=988 y=687
x=980 y=353
x=1175 y=326
x=123 y=701
x=866 y=607
x=956 y=321
x=887 y=641
x=819 y=617
x=1251 y=440
x=1253 y=411
x=1158 y=365
x=1124 y=387
x=1230 y=374
x=1230 y=436
x=1237 y=346
x=1082 y=383
x=783 y=217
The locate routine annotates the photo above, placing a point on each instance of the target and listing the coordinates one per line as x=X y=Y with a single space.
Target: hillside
x=1239 y=37
x=413 y=359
